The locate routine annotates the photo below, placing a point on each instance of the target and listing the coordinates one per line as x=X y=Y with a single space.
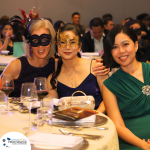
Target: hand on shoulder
x=98 y=68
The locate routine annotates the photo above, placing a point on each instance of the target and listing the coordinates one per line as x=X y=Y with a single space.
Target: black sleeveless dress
x=9 y=48
x=28 y=73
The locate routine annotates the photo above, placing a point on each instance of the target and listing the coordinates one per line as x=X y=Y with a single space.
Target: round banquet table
x=16 y=122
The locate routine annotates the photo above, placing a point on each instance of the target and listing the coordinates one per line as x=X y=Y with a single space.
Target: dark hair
x=109 y=42
x=75 y=13
x=106 y=21
x=66 y=27
x=107 y=16
x=132 y=22
x=142 y=16
x=57 y=25
x=96 y=22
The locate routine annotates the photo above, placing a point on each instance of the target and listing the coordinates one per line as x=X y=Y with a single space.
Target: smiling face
x=124 y=50
x=40 y=51
x=68 y=45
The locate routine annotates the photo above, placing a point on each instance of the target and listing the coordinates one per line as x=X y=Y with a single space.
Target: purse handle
x=83 y=94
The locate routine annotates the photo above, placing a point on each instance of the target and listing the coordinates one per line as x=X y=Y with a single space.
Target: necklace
x=71 y=74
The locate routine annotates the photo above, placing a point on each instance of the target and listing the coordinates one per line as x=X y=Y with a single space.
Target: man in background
x=108 y=25
x=93 y=40
x=76 y=22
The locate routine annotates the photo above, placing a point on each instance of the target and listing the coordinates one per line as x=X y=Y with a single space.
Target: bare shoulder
x=13 y=68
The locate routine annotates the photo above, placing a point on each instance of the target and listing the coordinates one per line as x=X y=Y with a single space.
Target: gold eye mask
x=64 y=41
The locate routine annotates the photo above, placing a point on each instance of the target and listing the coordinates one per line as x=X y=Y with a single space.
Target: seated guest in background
x=6 y=37
x=74 y=73
x=128 y=19
x=93 y=40
x=38 y=61
x=126 y=93
x=143 y=52
x=76 y=23
x=108 y=25
x=144 y=19
x=58 y=24
x=107 y=16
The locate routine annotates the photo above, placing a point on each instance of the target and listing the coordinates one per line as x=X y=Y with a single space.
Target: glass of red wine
x=7 y=86
x=42 y=88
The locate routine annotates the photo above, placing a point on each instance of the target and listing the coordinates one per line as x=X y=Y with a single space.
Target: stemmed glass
x=28 y=98
x=42 y=88
x=7 y=86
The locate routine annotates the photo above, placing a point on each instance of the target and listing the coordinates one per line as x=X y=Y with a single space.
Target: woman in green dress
x=126 y=93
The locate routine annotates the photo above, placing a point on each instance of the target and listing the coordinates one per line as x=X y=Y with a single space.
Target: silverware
x=20 y=110
x=34 y=123
x=89 y=136
x=79 y=128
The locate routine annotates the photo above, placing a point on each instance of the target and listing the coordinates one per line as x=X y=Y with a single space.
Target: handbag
x=87 y=102
x=18 y=49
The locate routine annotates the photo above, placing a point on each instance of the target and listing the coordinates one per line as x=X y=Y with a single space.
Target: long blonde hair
x=41 y=23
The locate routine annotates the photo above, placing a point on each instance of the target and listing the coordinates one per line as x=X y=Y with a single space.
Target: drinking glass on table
x=7 y=86
x=28 y=98
x=42 y=88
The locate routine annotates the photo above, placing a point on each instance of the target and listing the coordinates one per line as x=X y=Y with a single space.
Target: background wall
x=62 y=9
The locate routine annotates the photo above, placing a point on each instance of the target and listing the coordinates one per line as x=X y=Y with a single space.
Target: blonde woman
x=39 y=46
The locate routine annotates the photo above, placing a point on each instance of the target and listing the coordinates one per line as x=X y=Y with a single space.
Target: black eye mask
x=137 y=31
x=43 y=40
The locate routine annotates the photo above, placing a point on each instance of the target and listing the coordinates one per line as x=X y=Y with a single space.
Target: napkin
x=55 y=140
x=87 y=119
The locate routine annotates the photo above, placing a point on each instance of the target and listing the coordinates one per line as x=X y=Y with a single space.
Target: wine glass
x=7 y=86
x=28 y=98
x=42 y=88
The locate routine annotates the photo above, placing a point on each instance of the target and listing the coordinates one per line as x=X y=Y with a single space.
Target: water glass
x=48 y=102
x=44 y=115
x=28 y=98
x=3 y=103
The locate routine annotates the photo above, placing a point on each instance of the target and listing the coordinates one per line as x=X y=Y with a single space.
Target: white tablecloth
x=16 y=122
x=5 y=60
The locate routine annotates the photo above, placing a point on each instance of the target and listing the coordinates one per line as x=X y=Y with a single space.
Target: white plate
x=4 y=52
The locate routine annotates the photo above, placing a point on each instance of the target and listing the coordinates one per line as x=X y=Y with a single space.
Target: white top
x=98 y=45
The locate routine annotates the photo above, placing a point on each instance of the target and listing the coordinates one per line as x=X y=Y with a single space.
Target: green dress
x=134 y=105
